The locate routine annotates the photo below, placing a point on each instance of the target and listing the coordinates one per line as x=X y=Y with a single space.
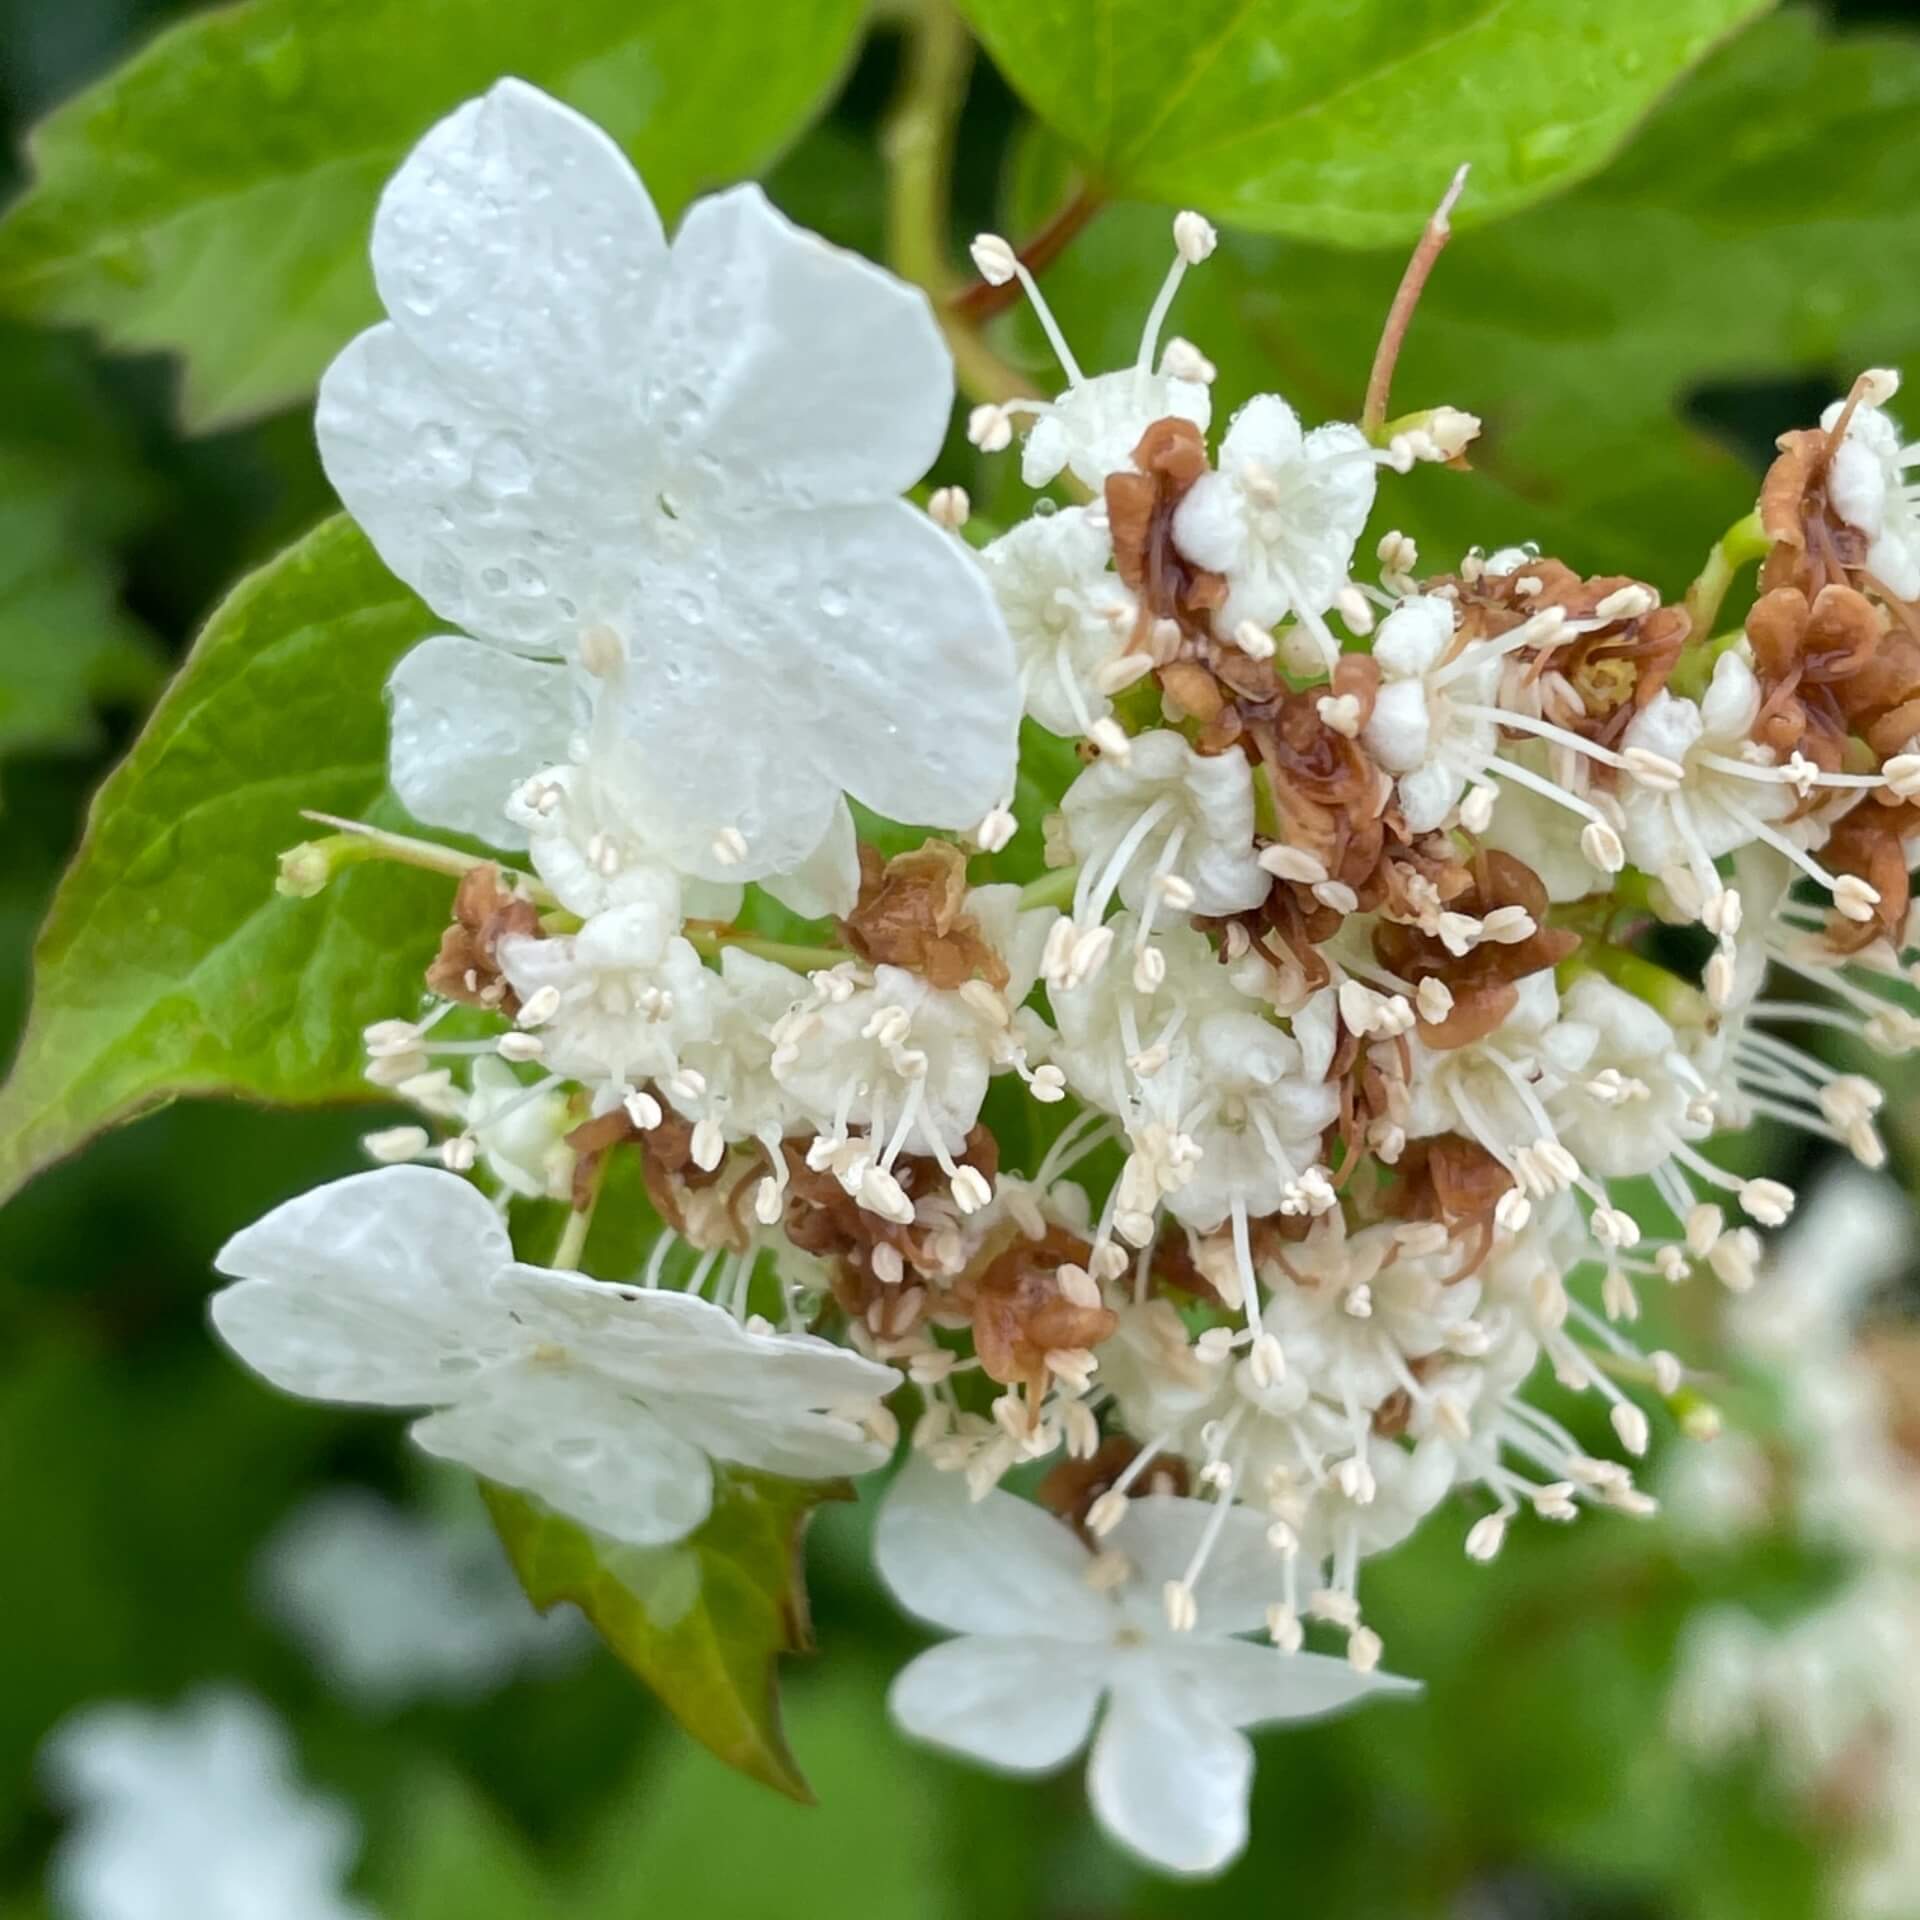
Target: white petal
x=1025 y=1705
x=855 y=649
x=792 y=373
x=663 y=1345
x=572 y=1439
x=1265 y=434
x=997 y=1566
x=1732 y=700
x=827 y=881
x=1167 y=1779
x=517 y=249
x=469 y=723
x=507 y=531
x=1244 y=1576
x=372 y=1289
x=1245 y=1684
x=1414 y=635
x=1428 y=793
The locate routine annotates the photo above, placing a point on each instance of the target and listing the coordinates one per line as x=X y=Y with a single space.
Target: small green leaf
x=1752 y=258
x=213 y=196
x=1343 y=120
x=701 y=1622
x=168 y=964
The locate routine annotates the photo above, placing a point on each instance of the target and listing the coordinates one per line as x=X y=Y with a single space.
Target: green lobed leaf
x=213 y=196
x=70 y=486
x=702 y=1622
x=1723 y=246
x=168 y=964
x=1343 y=120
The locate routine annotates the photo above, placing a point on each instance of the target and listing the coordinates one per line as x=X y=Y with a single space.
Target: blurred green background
x=141 y=1473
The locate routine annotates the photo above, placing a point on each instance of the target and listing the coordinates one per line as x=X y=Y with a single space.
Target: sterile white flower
x=1042 y=1649
x=398 y=1288
x=1280 y=515
x=665 y=481
x=195 y=1814
x=1069 y=616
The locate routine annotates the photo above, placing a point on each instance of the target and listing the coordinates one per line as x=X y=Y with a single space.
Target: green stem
x=710 y=941
x=917 y=146
x=356 y=841
x=1740 y=546
x=573 y=1236
x=1053 y=889
x=1666 y=993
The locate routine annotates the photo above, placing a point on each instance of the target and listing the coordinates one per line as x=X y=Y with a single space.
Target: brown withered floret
x=1874 y=674
x=467 y=967
x=1171 y=456
x=1607 y=675
x=1812 y=546
x=1870 y=843
x=1894 y=1354
x=1020 y=1314
x=1456 y=1182
x=1373 y=1078
x=1484 y=981
x=1334 y=803
x=1074 y=1485
x=1815 y=662
x=666 y=1159
x=911 y=913
x=822 y=1218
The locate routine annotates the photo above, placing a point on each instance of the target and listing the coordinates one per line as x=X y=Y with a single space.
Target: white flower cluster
x=1336 y=1001
x=1831 y=1693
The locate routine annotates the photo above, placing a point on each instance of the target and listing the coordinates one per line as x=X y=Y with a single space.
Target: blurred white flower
x=194 y=1814
x=394 y=1606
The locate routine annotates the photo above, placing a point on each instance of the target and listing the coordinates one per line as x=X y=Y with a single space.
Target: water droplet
x=126 y=261
x=282 y=66
x=690 y=607
x=833 y=600
x=1542 y=149
x=529 y=579
x=437 y=442
x=494 y=579
x=1045 y=507
x=503 y=466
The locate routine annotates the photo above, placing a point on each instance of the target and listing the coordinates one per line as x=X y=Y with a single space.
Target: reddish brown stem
x=1432 y=243
x=981 y=300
